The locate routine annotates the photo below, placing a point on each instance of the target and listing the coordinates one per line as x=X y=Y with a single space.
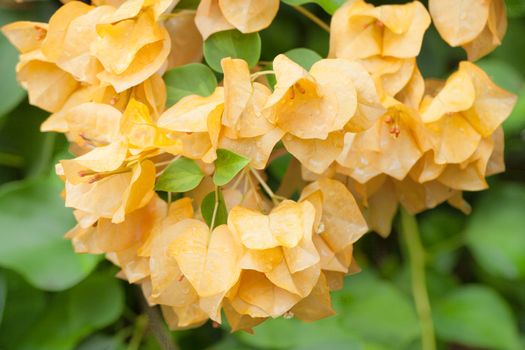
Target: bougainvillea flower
x=313 y=104
x=107 y=237
x=339 y=226
x=390 y=147
x=48 y=86
x=466 y=109
x=113 y=195
x=244 y=101
x=429 y=184
x=196 y=121
x=83 y=105
x=218 y=15
x=359 y=30
x=476 y=25
x=71 y=30
x=279 y=257
x=144 y=47
x=26 y=36
x=209 y=260
x=232 y=117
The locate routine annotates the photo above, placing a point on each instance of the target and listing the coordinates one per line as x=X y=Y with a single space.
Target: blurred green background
x=53 y=299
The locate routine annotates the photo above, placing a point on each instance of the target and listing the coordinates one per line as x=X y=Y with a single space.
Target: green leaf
x=476 y=316
x=234 y=44
x=273 y=40
x=329 y=6
x=102 y=342
x=208 y=206
x=20 y=136
x=282 y=333
x=181 y=175
x=515 y=123
x=502 y=73
x=71 y=315
x=193 y=78
x=187 y=4
x=495 y=231
x=227 y=166
x=304 y=57
x=3 y=294
x=24 y=306
x=10 y=91
x=34 y=220
x=365 y=303
x=511 y=51
x=515 y=8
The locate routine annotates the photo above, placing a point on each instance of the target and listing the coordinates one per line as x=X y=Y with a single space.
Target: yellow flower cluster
x=361 y=123
x=437 y=138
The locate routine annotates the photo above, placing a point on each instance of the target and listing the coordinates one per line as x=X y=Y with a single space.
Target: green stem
x=11 y=160
x=141 y=325
x=215 y=208
x=416 y=254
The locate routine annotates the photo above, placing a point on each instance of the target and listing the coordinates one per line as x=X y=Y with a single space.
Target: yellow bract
x=233 y=117
x=245 y=15
x=476 y=25
x=365 y=131
x=359 y=30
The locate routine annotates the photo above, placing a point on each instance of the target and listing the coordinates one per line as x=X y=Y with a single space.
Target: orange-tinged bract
x=365 y=131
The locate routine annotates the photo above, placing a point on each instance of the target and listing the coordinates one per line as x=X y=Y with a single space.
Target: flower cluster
x=367 y=133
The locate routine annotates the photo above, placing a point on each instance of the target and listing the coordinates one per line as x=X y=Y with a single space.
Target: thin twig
x=157 y=326
x=275 y=198
x=261 y=73
x=312 y=17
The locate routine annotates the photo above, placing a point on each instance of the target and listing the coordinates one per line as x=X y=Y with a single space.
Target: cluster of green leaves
x=52 y=298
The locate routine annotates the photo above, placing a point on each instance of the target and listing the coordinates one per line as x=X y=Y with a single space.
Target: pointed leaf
x=208 y=206
x=190 y=79
x=227 y=165
x=181 y=175
x=304 y=57
x=234 y=44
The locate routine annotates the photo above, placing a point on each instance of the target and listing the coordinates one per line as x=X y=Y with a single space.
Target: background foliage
x=51 y=298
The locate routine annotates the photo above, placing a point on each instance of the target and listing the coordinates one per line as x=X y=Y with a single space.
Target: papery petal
x=257 y=290
x=316 y=155
x=459 y=22
x=25 y=36
x=191 y=113
x=208 y=260
x=404 y=41
x=317 y=305
x=257 y=149
x=249 y=16
x=238 y=89
x=209 y=18
x=186 y=40
x=457 y=95
x=492 y=105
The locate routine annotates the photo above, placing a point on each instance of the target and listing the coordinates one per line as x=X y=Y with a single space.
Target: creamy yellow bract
x=366 y=131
